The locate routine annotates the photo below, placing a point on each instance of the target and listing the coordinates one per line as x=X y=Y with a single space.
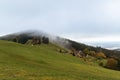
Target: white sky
x=79 y=20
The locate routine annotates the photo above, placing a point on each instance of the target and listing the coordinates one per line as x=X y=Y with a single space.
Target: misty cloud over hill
x=34 y=33
x=66 y=43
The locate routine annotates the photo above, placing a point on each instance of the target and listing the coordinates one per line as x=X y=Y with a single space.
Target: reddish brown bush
x=112 y=63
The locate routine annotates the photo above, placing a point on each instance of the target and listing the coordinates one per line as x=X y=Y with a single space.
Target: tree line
x=23 y=38
x=112 y=57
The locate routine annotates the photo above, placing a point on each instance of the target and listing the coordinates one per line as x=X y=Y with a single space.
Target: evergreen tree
x=45 y=40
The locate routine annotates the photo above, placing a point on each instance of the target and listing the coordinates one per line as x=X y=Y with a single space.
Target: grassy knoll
x=44 y=62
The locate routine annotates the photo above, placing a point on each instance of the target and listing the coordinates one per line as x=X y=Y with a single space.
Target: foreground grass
x=44 y=62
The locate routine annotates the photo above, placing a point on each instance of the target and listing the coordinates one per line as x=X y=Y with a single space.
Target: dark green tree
x=45 y=40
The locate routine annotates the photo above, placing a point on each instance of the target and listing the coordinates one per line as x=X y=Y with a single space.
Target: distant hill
x=117 y=49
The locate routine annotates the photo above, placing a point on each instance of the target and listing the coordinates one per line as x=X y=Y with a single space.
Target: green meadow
x=44 y=62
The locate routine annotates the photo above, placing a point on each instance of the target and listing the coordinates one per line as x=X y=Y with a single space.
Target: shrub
x=86 y=51
x=100 y=55
x=36 y=41
x=111 y=63
x=92 y=53
x=45 y=40
x=101 y=64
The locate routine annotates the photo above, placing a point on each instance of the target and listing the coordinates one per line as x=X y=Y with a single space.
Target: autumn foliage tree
x=36 y=41
x=100 y=55
x=111 y=63
x=86 y=51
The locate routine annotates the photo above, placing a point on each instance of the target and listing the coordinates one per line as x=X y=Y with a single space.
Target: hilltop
x=25 y=62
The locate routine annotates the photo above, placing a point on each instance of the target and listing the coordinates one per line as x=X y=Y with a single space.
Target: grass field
x=44 y=62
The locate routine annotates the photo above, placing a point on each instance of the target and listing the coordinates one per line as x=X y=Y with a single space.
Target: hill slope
x=23 y=37
x=25 y=62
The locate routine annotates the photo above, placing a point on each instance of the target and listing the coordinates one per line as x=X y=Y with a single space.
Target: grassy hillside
x=26 y=62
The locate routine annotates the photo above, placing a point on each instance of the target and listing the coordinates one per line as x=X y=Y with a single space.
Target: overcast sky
x=80 y=20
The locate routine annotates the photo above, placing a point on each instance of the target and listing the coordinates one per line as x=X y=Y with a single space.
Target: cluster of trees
x=88 y=54
x=112 y=56
x=23 y=38
x=36 y=41
x=87 y=51
x=98 y=55
x=111 y=62
x=109 y=53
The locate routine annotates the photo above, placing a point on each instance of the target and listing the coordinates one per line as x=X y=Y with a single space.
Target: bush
x=100 y=55
x=45 y=40
x=92 y=53
x=86 y=51
x=118 y=65
x=36 y=41
x=101 y=64
x=111 y=63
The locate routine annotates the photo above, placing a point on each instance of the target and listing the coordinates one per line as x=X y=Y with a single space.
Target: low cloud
x=69 y=17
